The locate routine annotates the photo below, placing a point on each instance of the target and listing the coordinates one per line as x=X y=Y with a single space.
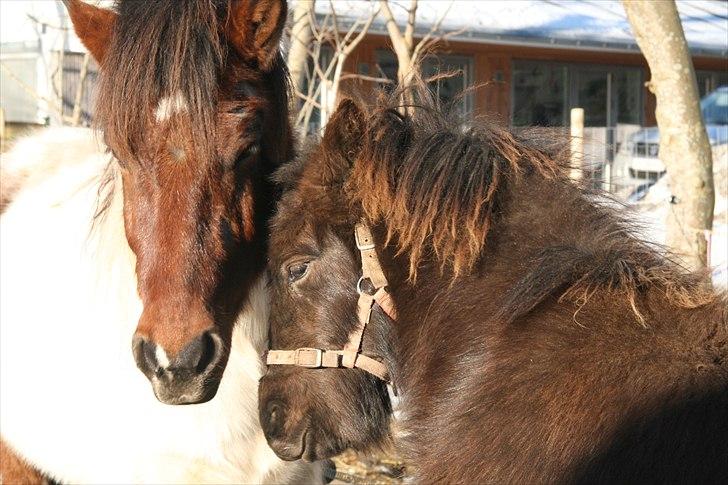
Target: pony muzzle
x=190 y=376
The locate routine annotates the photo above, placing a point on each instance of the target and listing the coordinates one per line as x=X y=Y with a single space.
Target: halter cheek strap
x=351 y=356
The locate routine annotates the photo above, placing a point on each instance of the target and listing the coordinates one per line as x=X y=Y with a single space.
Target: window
x=544 y=92
x=709 y=81
x=627 y=96
x=539 y=94
x=450 y=89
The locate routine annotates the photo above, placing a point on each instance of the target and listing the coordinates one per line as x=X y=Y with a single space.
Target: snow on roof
x=591 y=24
x=596 y=24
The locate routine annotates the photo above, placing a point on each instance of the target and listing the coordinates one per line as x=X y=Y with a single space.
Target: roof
x=583 y=24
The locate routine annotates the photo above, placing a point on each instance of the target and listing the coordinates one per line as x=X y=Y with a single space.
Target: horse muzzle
x=192 y=376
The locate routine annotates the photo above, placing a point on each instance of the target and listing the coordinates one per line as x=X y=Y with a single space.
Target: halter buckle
x=309 y=357
x=363 y=238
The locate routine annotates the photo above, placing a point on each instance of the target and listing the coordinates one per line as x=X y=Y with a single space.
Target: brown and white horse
x=152 y=261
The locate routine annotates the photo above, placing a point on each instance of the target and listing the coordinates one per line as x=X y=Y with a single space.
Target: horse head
x=192 y=103
x=314 y=267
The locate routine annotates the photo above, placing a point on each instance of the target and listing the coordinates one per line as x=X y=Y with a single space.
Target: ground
x=381 y=468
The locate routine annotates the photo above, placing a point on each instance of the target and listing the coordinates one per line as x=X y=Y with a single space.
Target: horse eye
x=297 y=271
x=250 y=151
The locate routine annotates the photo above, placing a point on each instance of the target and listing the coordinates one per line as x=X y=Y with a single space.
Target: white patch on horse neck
x=80 y=289
x=170 y=105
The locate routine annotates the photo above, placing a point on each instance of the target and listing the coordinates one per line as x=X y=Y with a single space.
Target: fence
x=71 y=78
x=623 y=159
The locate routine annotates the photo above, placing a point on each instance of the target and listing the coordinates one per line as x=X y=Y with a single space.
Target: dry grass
x=381 y=469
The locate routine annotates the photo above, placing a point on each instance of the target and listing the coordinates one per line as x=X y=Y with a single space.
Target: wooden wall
x=492 y=68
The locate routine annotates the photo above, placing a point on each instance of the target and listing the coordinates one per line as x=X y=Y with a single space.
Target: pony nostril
x=210 y=352
x=274 y=418
x=150 y=355
x=145 y=355
x=200 y=354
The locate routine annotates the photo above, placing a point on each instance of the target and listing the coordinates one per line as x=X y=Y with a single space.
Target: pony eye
x=245 y=155
x=297 y=271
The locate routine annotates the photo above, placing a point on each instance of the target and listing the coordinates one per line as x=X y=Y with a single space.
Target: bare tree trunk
x=326 y=75
x=300 y=39
x=403 y=44
x=409 y=53
x=684 y=146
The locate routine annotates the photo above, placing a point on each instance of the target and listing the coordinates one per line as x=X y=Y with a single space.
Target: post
x=78 y=99
x=2 y=124
x=577 y=142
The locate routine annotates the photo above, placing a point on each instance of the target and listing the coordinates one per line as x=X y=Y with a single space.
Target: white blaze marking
x=168 y=106
x=161 y=356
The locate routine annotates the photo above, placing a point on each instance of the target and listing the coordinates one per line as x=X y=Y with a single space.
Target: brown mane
x=439 y=183
x=436 y=179
x=158 y=49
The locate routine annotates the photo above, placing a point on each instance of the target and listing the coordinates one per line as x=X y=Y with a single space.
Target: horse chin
x=290 y=448
x=317 y=450
x=197 y=391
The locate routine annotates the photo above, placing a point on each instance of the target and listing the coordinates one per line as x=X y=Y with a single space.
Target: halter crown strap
x=351 y=356
x=370 y=267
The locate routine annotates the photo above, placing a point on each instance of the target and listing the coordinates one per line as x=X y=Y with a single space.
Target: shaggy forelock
x=161 y=48
x=436 y=177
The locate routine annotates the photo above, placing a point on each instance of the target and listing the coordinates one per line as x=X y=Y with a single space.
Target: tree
x=684 y=146
x=407 y=51
x=328 y=48
x=300 y=39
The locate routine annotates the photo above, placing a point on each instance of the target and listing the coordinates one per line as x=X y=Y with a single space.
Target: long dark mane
x=161 y=48
x=441 y=183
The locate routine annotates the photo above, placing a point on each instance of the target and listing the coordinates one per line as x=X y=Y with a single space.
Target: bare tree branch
x=427 y=39
x=364 y=77
x=409 y=30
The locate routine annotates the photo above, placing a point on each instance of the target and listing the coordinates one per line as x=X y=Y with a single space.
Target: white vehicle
x=640 y=153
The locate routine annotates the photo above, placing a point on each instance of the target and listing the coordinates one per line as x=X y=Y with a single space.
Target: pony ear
x=93 y=25
x=345 y=130
x=254 y=29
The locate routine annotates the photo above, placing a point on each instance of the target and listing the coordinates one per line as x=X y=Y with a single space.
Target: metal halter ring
x=360 y=290
x=358 y=285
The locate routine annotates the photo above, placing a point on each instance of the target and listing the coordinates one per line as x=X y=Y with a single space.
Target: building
x=532 y=61
x=537 y=59
x=41 y=61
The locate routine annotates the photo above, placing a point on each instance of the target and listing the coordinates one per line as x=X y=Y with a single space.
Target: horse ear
x=93 y=25
x=254 y=28
x=345 y=130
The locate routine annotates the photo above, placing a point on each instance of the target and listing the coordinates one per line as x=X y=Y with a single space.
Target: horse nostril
x=211 y=349
x=274 y=418
x=200 y=354
x=145 y=355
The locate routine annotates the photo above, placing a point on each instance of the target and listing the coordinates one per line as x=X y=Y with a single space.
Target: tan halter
x=351 y=356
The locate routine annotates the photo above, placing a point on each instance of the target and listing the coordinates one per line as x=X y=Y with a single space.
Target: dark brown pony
x=192 y=101
x=537 y=339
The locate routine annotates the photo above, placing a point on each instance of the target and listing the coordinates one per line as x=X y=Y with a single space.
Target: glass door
x=591 y=91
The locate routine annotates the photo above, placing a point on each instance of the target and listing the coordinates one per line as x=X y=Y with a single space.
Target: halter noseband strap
x=351 y=356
